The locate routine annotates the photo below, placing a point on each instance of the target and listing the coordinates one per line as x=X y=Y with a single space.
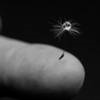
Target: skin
x=39 y=68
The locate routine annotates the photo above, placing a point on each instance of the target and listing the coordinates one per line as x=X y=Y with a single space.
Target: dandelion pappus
x=61 y=27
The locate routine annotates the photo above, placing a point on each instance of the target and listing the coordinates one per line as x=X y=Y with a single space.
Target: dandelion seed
x=68 y=26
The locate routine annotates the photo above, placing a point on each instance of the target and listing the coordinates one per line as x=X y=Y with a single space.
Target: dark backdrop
x=31 y=22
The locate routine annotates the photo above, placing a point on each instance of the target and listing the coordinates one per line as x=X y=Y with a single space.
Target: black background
x=31 y=22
